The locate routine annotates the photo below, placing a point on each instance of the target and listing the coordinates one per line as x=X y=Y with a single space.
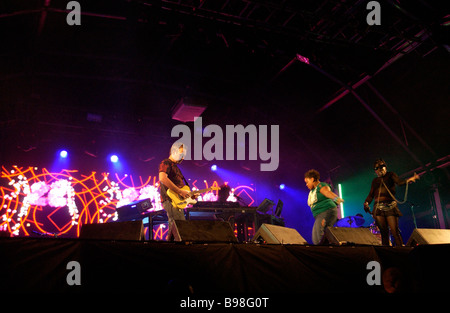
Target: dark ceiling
x=130 y=61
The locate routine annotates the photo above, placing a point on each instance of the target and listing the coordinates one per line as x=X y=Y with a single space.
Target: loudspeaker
x=203 y=231
x=131 y=230
x=274 y=234
x=429 y=236
x=349 y=235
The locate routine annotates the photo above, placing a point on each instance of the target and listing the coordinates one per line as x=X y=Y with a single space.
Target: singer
x=386 y=211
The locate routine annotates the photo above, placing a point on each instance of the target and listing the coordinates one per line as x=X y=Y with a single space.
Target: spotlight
x=282 y=186
x=63 y=154
x=114 y=158
x=213 y=167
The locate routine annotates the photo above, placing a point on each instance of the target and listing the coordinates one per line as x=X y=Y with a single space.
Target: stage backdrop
x=35 y=201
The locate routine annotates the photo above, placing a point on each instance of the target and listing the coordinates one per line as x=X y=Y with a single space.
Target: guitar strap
x=185 y=181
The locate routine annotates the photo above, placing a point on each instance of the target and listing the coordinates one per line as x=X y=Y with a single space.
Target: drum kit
x=351 y=221
x=356 y=221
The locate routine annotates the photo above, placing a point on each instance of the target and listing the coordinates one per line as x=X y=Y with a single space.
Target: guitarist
x=170 y=177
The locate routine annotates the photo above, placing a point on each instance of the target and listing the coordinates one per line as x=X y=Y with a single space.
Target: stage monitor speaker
x=274 y=234
x=349 y=235
x=130 y=230
x=429 y=236
x=203 y=231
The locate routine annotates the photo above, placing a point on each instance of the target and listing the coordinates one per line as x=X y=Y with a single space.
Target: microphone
x=237 y=197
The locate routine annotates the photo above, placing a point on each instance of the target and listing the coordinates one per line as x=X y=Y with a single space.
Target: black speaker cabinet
x=349 y=235
x=203 y=231
x=130 y=230
x=274 y=234
x=429 y=236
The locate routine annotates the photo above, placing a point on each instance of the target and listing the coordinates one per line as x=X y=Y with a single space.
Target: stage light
x=342 y=204
x=213 y=167
x=303 y=59
x=282 y=186
x=63 y=154
x=114 y=158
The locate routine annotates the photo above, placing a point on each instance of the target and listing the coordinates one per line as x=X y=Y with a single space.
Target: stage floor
x=44 y=265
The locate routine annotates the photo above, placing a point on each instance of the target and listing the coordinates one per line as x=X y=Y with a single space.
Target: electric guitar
x=180 y=203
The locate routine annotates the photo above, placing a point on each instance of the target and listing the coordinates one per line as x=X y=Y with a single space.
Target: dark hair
x=313 y=174
x=223 y=193
x=379 y=161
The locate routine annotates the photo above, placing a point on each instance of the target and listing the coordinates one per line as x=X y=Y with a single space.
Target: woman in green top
x=323 y=203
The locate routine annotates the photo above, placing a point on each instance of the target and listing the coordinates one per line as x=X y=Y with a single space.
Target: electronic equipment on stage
x=135 y=210
x=265 y=206
x=278 y=209
x=216 y=204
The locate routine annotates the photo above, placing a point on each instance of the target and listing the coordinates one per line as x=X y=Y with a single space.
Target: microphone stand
x=240 y=200
x=45 y=234
x=412 y=211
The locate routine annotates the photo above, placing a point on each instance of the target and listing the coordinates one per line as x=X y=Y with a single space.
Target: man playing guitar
x=174 y=189
x=171 y=178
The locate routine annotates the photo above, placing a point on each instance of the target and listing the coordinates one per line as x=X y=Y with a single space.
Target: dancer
x=323 y=203
x=386 y=212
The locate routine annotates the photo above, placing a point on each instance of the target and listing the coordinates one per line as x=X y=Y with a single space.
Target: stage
x=153 y=267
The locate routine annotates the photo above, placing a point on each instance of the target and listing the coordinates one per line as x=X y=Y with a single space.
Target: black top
x=390 y=180
x=173 y=173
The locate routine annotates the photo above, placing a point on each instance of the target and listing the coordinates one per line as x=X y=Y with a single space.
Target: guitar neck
x=201 y=190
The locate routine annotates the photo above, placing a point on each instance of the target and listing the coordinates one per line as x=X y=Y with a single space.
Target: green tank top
x=318 y=202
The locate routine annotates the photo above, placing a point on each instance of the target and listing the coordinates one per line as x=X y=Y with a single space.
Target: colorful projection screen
x=36 y=201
